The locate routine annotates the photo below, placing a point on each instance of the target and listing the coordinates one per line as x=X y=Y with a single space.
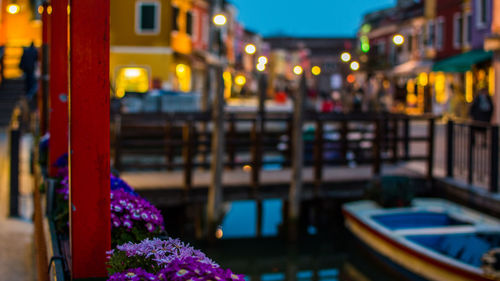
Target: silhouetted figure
x=357 y=103
x=482 y=107
x=27 y=64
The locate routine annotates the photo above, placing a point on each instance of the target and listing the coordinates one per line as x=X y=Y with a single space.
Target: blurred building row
x=172 y=44
x=432 y=50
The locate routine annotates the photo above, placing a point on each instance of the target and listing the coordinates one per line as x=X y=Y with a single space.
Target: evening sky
x=309 y=18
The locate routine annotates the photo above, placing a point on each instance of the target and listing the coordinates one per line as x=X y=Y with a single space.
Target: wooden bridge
x=167 y=156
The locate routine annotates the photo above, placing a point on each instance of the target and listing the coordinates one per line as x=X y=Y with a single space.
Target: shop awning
x=412 y=67
x=462 y=62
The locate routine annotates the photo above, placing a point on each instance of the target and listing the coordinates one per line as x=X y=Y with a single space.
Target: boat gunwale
x=404 y=244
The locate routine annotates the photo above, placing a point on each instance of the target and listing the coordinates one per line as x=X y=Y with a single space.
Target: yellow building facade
x=140 y=52
x=150 y=45
x=19 y=26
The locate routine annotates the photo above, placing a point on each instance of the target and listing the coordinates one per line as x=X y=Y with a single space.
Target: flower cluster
x=189 y=268
x=133 y=218
x=167 y=260
x=136 y=274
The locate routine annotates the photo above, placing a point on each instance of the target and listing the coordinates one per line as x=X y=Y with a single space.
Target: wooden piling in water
x=297 y=161
x=214 y=203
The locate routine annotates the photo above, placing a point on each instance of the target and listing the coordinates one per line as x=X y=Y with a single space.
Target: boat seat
x=474 y=250
x=453 y=245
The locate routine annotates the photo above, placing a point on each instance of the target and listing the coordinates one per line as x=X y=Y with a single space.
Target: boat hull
x=411 y=263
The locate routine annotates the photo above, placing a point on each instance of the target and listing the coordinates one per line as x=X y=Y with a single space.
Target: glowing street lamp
x=250 y=49
x=13 y=8
x=297 y=70
x=262 y=60
x=354 y=65
x=261 y=67
x=398 y=39
x=240 y=80
x=345 y=57
x=220 y=20
x=316 y=70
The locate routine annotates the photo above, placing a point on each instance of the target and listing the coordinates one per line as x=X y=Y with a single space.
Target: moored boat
x=431 y=240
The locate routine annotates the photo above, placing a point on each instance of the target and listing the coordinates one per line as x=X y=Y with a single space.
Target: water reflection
x=240 y=220
x=252 y=241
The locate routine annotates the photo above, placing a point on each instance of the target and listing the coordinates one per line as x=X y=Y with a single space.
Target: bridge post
x=90 y=230
x=58 y=113
x=169 y=150
x=430 y=149
x=231 y=151
x=406 y=137
x=257 y=133
x=187 y=153
x=450 y=142
x=295 y=191
x=472 y=143
x=255 y=151
x=318 y=155
x=344 y=142
x=377 y=146
x=395 y=140
x=214 y=203
x=117 y=142
x=494 y=160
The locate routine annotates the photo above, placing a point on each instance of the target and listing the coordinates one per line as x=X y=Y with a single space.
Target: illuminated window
x=440 y=86
x=228 y=83
x=491 y=81
x=147 y=18
x=469 y=86
x=183 y=74
x=131 y=79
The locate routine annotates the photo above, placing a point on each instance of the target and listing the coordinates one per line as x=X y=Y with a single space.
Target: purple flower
x=170 y=260
x=136 y=274
x=138 y=210
x=189 y=268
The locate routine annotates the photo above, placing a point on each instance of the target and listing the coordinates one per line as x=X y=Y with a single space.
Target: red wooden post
x=90 y=232
x=58 y=112
x=43 y=89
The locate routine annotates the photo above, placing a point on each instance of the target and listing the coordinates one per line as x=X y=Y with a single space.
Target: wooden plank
x=90 y=231
x=58 y=113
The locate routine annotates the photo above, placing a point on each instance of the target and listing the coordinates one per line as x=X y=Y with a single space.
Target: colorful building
x=140 y=45
x=20 y=25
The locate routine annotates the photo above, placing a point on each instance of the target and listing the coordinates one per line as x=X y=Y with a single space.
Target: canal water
x=325 y=250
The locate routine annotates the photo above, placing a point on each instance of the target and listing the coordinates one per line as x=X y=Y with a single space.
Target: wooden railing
x=472 y=153
x=182 y=141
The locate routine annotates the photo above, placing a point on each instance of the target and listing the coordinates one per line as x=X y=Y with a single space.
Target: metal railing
x=472 y=153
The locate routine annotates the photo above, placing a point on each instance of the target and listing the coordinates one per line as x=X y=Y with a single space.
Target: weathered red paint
x=58 y=111
x=90 y=232
x=45 y=41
